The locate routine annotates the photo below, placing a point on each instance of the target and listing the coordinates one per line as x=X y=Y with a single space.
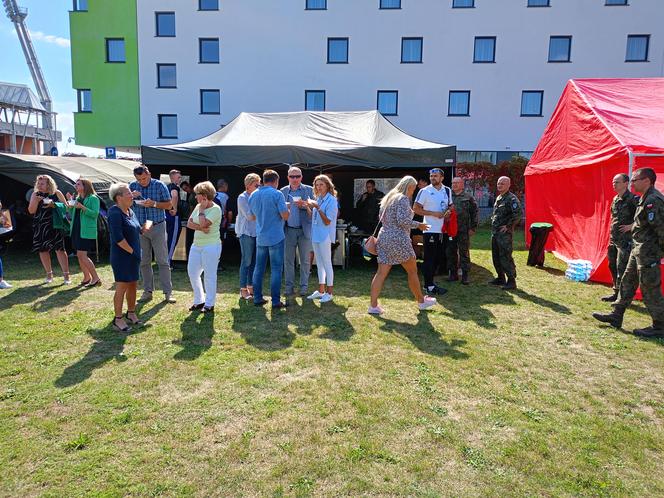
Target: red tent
x=600 y=127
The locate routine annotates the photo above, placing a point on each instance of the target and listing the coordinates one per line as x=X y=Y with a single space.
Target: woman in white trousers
x=206 y=248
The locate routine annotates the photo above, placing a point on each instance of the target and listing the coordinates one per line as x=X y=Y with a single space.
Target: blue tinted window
x=390 y=4
x=457 y=4
x=210 y=102
x=560 y=48
x=209 y=50
x=84 y=101
x=459 y=103
x=80 y=5
x=485 y=49
x=411 y=50
x=165 y=23
x=388 y=102
x=531 y=103
x=168 y=125
x=616 y=2
x=337 y=50
x=316 y=4
x=538 y=3
x=166 y=76
x=208 y=4
x=637 y=48
x=314 y=100
x=115 y=50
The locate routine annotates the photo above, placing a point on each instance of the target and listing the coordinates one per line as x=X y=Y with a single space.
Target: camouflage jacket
x=623 y=208
x=648 y=229
x=506 y=212
x=466 y=209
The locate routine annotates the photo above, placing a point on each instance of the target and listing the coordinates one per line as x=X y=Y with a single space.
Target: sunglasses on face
x=294 y=176
x=435 y=170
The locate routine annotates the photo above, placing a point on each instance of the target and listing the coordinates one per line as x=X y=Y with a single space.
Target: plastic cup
x=148 y=224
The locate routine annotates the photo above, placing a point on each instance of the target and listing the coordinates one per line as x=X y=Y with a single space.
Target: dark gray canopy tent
x=331 y=139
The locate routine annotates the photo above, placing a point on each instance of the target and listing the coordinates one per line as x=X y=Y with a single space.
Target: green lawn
x=492 y=393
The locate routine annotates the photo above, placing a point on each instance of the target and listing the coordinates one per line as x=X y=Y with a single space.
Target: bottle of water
x=578 y=270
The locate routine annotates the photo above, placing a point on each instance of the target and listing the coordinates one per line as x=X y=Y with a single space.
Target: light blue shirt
x=267 y=204
x=319 y=230
x=243 y=225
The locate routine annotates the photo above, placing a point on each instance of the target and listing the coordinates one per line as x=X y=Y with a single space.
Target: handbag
x=370 y=243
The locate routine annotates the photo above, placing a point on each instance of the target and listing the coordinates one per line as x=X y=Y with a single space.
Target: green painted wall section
x=115 y=116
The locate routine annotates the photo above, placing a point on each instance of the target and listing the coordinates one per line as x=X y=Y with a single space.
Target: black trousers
x=433 y=255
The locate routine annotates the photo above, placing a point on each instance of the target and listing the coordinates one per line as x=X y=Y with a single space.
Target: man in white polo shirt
x=433 y=202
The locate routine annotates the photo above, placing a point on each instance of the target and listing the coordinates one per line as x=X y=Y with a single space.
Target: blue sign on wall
x=54 y=151
x=110 y=152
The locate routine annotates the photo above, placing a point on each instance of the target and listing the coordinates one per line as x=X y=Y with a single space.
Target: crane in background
x=17 y=15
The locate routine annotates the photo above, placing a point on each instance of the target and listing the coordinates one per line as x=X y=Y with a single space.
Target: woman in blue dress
x=125 y=255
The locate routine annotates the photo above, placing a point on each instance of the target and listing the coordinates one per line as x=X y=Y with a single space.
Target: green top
x=541 y=225
x=212 y=214
x=88 y=216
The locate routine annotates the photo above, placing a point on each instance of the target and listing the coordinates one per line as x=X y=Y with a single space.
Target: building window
x=531 y=102
x=538 y=3
x=560 y=48
x=390 y=4
x=165 y=22
x=459 y=103
x=315 y=5
x=637 y=48
x=208 y=4
x=411 y=50
x=208 y=50
x=616 y=2
x=168 y=125
x=84 y=101
x=314 y=100
x=485 y=49
x=80 y=5
x=210 y=102
x=463 y=4
x=115 y=50
x=388 y=102
x=337 y=50
x=166 y=76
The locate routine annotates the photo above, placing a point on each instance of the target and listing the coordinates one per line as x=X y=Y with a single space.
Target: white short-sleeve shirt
x=432 y=199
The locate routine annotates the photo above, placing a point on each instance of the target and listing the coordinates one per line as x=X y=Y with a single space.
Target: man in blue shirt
x=298 y=231
x=151 y=200
x=267 y=204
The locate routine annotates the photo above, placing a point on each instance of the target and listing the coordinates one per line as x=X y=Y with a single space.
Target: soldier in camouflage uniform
x=623 y=208
x=643 y=267
x=458 y=249
x=506 y=215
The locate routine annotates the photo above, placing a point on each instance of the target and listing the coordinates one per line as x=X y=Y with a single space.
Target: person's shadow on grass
x=25 y=295
x=333 y=316
x=424 y=336
x=261 y=332
x=540 y=301
x=196 y=336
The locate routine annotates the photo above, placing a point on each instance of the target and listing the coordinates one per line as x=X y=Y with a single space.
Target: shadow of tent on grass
x=424 y=336
x=109 y=344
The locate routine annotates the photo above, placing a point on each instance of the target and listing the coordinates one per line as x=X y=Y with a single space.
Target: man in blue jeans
x=269 y=207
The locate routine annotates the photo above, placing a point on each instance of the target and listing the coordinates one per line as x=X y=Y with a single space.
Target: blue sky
x=48 y=22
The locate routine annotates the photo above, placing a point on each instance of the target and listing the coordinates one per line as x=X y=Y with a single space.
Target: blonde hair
x=400 y=190
x=88 y=188
x=206 y=189
x=52 y=187
x=117 y=189
x=327 y=181
x=251 y=178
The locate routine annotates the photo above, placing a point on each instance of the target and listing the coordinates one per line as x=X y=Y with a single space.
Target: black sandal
x=117 y=327
x=207 y=309
x=196 y=307
x=133 y=322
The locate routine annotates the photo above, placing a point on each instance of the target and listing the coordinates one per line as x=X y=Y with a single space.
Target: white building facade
x=484 y=75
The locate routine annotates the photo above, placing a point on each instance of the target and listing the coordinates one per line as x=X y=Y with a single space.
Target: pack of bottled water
x=578 y=270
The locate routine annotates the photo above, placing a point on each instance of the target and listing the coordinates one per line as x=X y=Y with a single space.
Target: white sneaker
x=427 y=303
x=375 y=310
x=315 y=295
x=5 y=285
x=326 y=298
x=67 y=281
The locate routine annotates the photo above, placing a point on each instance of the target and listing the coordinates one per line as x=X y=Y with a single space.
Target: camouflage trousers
x=458 y=252
x=618 y=256
x=649 y=278
x=501 y=252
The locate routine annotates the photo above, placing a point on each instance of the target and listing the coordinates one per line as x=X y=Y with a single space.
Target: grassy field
x=492 y=393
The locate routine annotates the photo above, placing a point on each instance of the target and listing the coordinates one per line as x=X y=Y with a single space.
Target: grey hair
x=116 y=189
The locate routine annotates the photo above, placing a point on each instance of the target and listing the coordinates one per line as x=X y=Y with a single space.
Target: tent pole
x=631 y=163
